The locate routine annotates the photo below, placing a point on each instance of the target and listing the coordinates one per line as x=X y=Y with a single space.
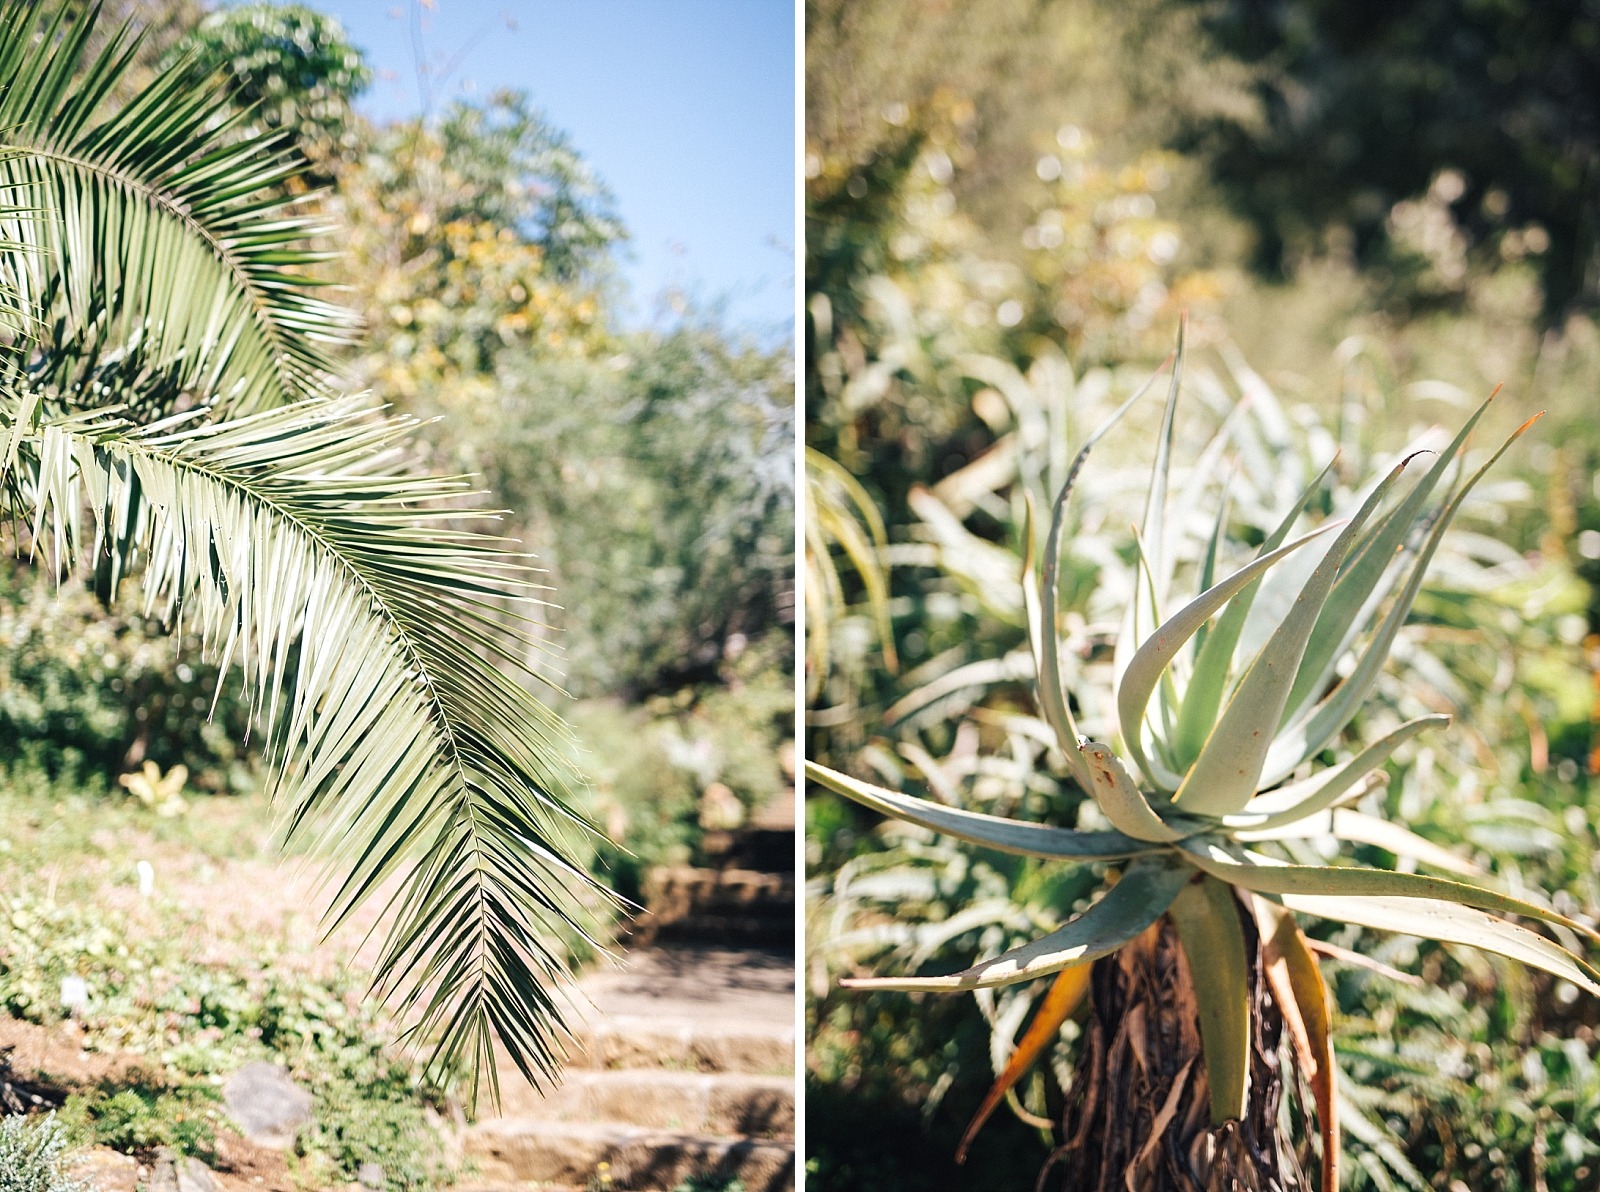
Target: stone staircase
x=684 y=1073
x=743 y=894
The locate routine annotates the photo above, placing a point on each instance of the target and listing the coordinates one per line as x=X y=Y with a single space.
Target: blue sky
x=684 y=107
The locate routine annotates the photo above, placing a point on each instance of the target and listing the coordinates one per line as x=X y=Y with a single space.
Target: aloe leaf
x=1057 y=711
x=1245 y=825
x=1327 y=719
x=1154 y=525
x=1267 y=876
x=1166 y=771
x=1206 y=914
x=1067 y=993
x=1208 y=562
x=1365 y=573
x=1114 y=790
x=1223 y=777
x=1297 y=982
x=1144 y=669
x=1142 y=896
x=992 y=831
x=1360 y=828
x=1052 y=697
x=1280 y=808
x=1202 y=700
x=1451 y=923
x=1356 y=827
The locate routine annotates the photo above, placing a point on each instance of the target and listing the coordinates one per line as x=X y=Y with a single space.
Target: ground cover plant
x=174 y=1022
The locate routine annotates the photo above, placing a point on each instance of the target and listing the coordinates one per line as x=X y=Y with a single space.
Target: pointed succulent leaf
x=1208 y=577
x=1282 y=807
x=1208 y=682
x=1067 y=993
x=1223 y=777
x=1144 y=670
x=1264 y=875
x=1114 y=790
x=1142 y=895
x=1450 y=923
x=1343 y=823
x=1326 y=719
x=1365 y=574
x=1154 y=526
x=1052 y=696
x=1206 y=914
x=991 y=831
x=1252 y=825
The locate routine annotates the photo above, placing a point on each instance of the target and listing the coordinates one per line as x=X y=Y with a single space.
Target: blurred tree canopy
x=1363 y=104
x=449 y=231
x=661 y=486
x=292 y=67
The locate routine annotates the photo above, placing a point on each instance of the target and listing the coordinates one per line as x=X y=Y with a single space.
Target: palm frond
x=367 y=618
x=158 y=247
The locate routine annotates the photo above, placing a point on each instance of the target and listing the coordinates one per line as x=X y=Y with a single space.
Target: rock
x=106 y=1170
x=370 y=1177
x=268 y=1106
x=174 y=1173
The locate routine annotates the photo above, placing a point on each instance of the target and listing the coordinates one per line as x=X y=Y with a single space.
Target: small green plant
x=1229 y=708
x=710 y=1183
x=139 y=1117
x=33 y=1156
x=158 y=792
x=195 y=1022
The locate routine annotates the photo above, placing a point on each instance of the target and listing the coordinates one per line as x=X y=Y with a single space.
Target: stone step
x=727 y=906
x=514 y=1150
x=707 y=1103
x=756 y=847
x=682 y=1045
x=688 y=1008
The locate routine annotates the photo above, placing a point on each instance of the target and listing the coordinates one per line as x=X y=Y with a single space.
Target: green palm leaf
x=367 y=620
x=161 y=254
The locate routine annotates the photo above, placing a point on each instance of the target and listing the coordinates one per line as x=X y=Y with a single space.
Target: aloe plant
x=1228 y=705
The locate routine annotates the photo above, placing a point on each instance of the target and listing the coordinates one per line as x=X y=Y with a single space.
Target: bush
x=33 y=1156
x=84 y=692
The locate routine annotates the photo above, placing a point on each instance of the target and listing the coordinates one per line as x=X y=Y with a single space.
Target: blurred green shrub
x=659 y=487
x=83 y=691
x=651 y=764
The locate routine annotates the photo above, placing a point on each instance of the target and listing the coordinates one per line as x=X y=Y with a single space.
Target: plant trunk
x=1138 y=1116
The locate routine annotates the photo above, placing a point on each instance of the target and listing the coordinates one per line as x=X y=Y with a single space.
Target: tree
x=291 y=68
x=166 y=365
x=1361 y=105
